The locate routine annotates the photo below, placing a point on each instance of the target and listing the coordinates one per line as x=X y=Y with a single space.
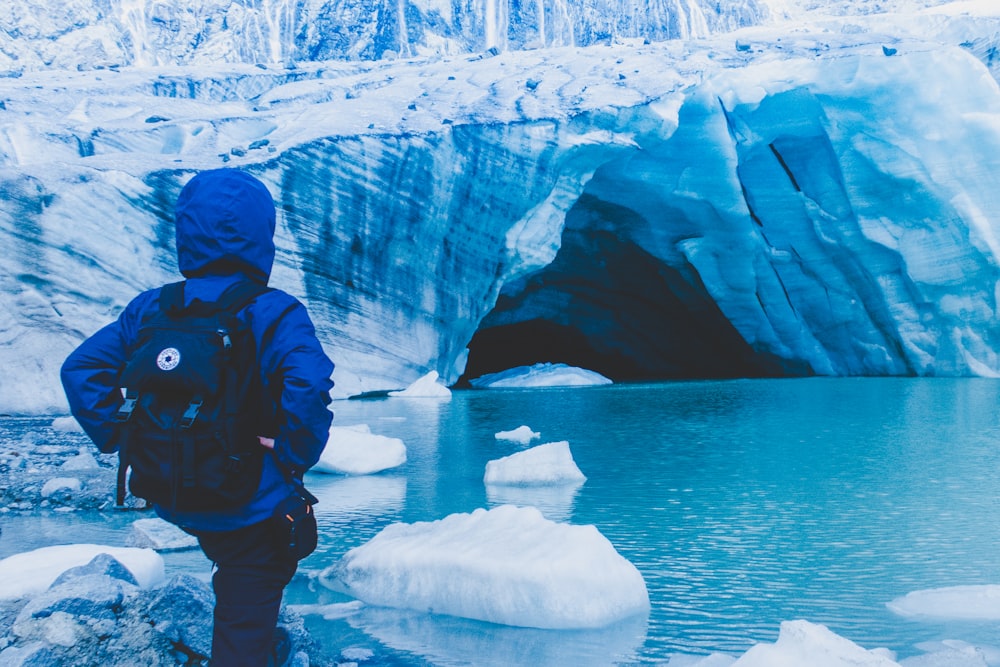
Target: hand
x=266 y=442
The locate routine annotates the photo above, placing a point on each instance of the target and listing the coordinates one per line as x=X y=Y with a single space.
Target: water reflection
x=556 y=503
x=343 y=499
x=447 y=640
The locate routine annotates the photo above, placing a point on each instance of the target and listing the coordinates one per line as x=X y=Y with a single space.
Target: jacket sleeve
x=293 y=359
x=90 y=374
x=90 y=379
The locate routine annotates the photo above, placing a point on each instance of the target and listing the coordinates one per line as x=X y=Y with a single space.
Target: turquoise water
x=743 y=503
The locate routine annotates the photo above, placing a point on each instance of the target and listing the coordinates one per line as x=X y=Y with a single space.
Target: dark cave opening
x=607 y=305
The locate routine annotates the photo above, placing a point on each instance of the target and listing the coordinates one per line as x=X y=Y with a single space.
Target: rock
x=181 y=611
x=36 y=654
x=66 y=425
x=101 y=564
x=82 y=461
x=61 y=489
x=82 y=603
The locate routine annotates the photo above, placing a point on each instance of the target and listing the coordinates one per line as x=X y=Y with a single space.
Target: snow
x=506 y=565
x=540 y=375
x=32 y=572
x=522 y=434
x=355 y=450
x=547 y=464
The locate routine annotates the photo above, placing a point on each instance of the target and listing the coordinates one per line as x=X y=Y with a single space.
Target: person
x=225 y=221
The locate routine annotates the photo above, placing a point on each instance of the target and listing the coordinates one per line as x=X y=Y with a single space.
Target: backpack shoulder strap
x=231 y=301
x=240 y=295
x=172 y=298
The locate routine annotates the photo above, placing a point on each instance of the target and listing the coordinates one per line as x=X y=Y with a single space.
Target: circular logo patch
x=168 y=359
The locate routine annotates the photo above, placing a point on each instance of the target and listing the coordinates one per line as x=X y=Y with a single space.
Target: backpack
x=193 y=405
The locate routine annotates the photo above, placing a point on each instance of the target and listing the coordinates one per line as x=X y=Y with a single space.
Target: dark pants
x=252 y=569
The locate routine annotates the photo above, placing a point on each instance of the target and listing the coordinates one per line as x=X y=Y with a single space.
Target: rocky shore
x=97 y=613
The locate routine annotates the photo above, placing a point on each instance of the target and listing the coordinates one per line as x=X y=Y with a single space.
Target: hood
x=225 y=224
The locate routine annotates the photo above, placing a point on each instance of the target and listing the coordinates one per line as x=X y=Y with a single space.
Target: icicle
x=697 y=23
x=540 y=9
x=404 y=36
x=280 y=18
x=134 y=23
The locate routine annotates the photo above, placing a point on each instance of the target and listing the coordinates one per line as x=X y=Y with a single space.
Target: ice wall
x=39 y=34
x=791 y=202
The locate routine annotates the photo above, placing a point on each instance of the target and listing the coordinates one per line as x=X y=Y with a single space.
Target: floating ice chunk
x=355 y=450
x=803 y=643
x=66 y=425
x=953 y=653
x=32 y=572
x=508 y=565
x=540 y=375
x=330 y=612
x=551 y=463
x=521 y=434
x=426 y=387
x=159 y=535
x=981 y=603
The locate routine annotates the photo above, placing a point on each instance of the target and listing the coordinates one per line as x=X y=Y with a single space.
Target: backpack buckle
x=234 y=464
x=126 y=409
x=191 y=413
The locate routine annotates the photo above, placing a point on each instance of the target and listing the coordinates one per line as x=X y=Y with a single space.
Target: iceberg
x=508 y=565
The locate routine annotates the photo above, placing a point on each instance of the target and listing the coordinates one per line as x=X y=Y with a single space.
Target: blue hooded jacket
x=225 y=222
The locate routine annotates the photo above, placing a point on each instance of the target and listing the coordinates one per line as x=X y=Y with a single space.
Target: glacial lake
x=743 y=503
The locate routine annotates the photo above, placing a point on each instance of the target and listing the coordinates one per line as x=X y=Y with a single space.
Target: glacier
x=40 y=34
x=812 y=193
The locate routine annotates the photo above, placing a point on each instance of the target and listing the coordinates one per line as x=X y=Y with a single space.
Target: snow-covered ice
x=508 y=565
x=32 y=572
x=551 y=463
x=355 y=450
x=540 y=375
